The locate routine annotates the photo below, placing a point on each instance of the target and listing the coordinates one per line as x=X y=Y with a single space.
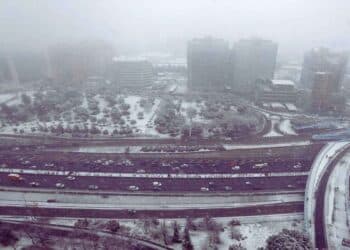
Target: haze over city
x=136 y=26
x=174 y=125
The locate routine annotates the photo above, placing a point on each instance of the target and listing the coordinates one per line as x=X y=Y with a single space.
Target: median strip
x=145 y=175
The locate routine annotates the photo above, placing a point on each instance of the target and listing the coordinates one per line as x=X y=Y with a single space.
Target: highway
x=225 y=183
x=256 y=209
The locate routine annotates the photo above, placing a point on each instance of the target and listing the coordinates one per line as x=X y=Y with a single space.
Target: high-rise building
x=252 y=59
x=22 y=67
x=131 y=72
x=207 y=64
x=77 y=62
x=323 y=60
x=322 y=91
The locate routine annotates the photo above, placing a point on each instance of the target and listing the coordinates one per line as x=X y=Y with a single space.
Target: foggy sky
x=166 y=25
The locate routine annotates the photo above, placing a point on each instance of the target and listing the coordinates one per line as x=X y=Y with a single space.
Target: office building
x=252 y=59
x=75 y=63
x=275 y=91
x=207 y=64
x=322 y=91
x=323 y=60
x=131 y=72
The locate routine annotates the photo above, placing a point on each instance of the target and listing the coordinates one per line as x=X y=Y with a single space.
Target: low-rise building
x=283 y=91
x=132 y=73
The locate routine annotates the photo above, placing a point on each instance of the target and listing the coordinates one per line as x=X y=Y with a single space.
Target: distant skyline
x=139 y=26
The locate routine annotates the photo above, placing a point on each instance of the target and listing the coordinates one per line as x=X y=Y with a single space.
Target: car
x=71 y=177
x=156 y=184
x=51 y=200
x=133 y=188
x=236 y=167
x=93 y=187
x=260 y=165
x=248 y=183
x=140 y=171
x=49 y=165
x=131 y=211
x=15 y=177
x=60 y=185
x=298 y=165
x=290 y=186
x=34 y=184
x=33 y=166
x=228 y=188
x=204 y=189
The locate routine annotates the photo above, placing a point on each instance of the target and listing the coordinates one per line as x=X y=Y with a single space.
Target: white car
x=156 y=184
x=204 y=189
x=296 y=166
x=71 y=177
x=236 y=167
x=93 y=187
x=133 y=188
x=60 y=185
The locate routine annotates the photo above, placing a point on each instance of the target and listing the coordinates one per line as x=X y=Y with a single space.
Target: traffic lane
x=159 y=166
x=167 y=184
x=282 y=208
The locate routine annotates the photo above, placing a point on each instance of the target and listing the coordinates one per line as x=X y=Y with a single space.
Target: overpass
x=326 y=197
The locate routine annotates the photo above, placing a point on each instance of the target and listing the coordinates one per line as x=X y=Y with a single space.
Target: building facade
x=322 y=91
x=132 y=73
x=323 y=60
x=207 y=64
x=252 y=59
x=77 y=62
x=268 y=91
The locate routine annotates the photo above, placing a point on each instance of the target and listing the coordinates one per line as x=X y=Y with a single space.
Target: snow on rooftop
x=283 y=82
x=129 y=59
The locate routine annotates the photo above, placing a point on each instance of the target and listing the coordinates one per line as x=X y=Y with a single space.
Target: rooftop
x=283 y=82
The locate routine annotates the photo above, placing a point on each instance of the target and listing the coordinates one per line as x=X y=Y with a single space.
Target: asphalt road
x=282 y=208
x=320 y=237
x=167 y=184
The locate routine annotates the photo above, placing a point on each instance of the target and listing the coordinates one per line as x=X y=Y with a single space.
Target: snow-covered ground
x=271 y=145
x=255 y=230
x=337 y=208
x=257 y=233
x=142 y=126
x=319 y=166
x=6 y=97
x=286 y=127
x=274 y=122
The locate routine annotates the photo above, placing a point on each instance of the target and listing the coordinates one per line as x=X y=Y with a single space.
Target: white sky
x=151 y=25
